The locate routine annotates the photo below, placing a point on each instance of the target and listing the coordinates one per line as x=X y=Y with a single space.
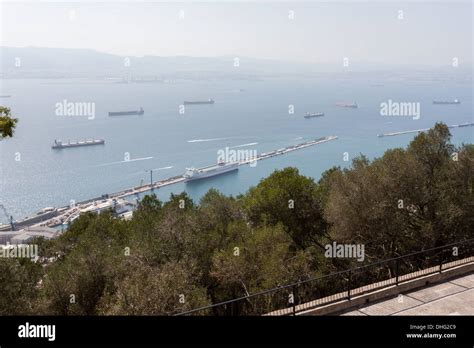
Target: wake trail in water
x=243 y=145
x=143 y=172
x=125 y=161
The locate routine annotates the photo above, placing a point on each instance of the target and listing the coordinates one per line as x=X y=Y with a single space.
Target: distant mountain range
x=65 y=62
x=41 y=62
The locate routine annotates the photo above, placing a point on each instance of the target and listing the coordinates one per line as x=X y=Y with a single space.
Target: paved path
x=454 y=297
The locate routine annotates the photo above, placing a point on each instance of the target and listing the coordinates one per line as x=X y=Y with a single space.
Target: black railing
x=296 y=297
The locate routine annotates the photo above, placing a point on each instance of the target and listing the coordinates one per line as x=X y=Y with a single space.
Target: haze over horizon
x=408 y=33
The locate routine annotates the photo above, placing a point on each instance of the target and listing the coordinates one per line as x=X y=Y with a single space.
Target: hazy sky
x=429 y=33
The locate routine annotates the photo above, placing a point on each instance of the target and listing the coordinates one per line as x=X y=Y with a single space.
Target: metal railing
x=299 y=296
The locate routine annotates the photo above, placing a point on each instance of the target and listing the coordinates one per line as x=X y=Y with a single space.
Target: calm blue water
x=44 y=177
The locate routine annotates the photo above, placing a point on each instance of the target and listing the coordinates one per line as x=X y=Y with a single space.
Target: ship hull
x=350 y=106
x=212 y=172
x=65 y=146
x=197 y=102
x=315 y=115
x=126 y=113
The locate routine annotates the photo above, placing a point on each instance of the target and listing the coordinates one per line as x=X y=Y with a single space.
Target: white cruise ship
x=206 y=172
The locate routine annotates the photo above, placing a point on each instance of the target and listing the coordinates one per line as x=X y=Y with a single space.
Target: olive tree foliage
x=19 y=279
x=288 y=198
x=407 y=200
x=7 y=123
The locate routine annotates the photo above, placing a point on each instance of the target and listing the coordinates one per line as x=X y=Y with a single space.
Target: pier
x=70 y=213
x=422 y=130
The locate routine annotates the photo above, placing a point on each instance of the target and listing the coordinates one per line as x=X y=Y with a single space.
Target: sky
x=407 y=32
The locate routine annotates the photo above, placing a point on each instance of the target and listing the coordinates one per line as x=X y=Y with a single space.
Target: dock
x=423 y=130
x=70 y=213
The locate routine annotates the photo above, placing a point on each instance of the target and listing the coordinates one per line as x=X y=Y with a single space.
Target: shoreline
x=66 y=214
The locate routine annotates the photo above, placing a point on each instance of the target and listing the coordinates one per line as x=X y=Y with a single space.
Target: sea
x=247 y=114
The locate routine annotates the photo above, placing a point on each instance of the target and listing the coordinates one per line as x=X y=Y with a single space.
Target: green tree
x=291 y=199
x=258 y=259
x=88 y=258
x=19 y=280
x=7 y=123
x=407 y=200
x=168 y=289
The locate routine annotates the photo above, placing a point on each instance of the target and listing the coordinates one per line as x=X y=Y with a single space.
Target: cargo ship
x=191 y=102
x=127 y=113
x=446 y=102
x=348 y=105
x=58 y=144
x=314 y=114
x=206 y=172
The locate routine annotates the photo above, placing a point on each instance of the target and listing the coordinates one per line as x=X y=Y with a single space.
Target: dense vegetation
x=176 y=256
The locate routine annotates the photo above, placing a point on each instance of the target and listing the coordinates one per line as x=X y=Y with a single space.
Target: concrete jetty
x=70 y=213
x=467 y=124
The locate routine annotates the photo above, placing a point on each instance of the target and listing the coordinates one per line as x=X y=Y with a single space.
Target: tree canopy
x=7 y=123
x=179 y=255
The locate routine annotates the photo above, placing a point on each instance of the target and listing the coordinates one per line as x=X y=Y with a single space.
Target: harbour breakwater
x=422 y=130
x=70 y=213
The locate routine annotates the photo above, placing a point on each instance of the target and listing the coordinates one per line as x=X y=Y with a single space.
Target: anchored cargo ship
x=455 y=101
x=58 y=144
x=348 y=105
x=206 y=172
x=188 y=102
x=127 y=113
x=314 y=114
